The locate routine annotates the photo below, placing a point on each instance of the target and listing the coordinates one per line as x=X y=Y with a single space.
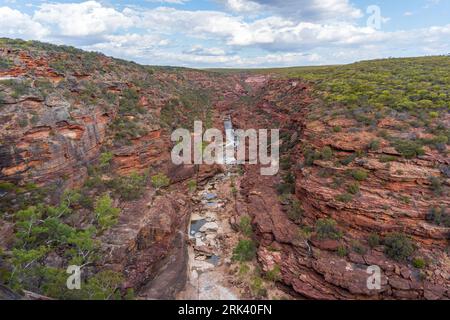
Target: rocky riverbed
x=211 y=240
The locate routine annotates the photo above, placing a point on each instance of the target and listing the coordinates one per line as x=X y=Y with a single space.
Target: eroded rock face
x=150 y=230
x=55 y=123
x=62 y=109
x=58 y=126
x=395 y=197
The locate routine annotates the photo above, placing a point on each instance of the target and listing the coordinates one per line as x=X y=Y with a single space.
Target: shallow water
x=214 y=259
x=196 y=225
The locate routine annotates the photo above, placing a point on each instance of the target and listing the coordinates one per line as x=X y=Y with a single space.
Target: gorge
x=86 y=178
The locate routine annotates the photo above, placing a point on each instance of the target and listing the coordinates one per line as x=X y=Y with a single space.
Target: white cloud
x=14 y=23
x=169 y=1
x=167 y=35
x=202 y=51
x=243 y=6
x=309 y=10
x=81 y=19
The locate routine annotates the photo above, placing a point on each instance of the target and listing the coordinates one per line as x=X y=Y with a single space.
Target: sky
x=236 y=33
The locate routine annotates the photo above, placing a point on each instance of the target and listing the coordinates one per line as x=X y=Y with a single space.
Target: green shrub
x=327 y=229
x=274 y=274
x=436 y=185
x=160 y=181
x=408 y=148
x=374 y=145
x=353 y=188
x=244 y=251
x=105 y=214
x=326 y=153
x=125 y=130
x=347 y=160
x=5 y=64
x=310 y=156
x=344 y=197
x=419 y=263
x=286 y=163
x=439 y=216
x=359 y=174
x=387 y=158
x=337 y=129
x=342 y=251
x=105 y=159
x=19 y=88
x=129 y=187
x=433 y=114
x=295 y=211
x=373 y=240
x=285 y=188
x=192 y=185
x=398 y=246
x=358 y=248
x=129 y=103
x=257 y=287
x=245 y=225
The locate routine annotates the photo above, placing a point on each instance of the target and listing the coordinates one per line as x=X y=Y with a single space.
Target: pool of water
x=214 y=259
x=195 y=226
x=210 y=196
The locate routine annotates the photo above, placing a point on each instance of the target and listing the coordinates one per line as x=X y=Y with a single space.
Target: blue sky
x=236 y=33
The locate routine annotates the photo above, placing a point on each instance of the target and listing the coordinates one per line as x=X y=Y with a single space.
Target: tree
x=105 y=214
x=102 y=286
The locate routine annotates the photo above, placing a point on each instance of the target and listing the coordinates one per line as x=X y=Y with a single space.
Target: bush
x=105 y=214
x=419 y=263
x=131 y=187
x=353 y=188
x=359 y=175
x=439 y=216
x=337 y=129
x=326 y=153
x=192 y=185
x=344 y=197
x=387 y=158
x=295 y=211
x=408 y=148
x=342 y=251
x=373 y=240
x=129 y=103
x=358 y=248
x=327 y=229
x=436 y=185
x=274 y=274
x=286 y=163
x=347 y=160
x=398 y=246
x=5 y=64
x=285 y=188
x=105 y=159
x=374 y=145
x=244 y=251
x=245 y=225
x=160 y=181
x=310 y=156
x=257 y=287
